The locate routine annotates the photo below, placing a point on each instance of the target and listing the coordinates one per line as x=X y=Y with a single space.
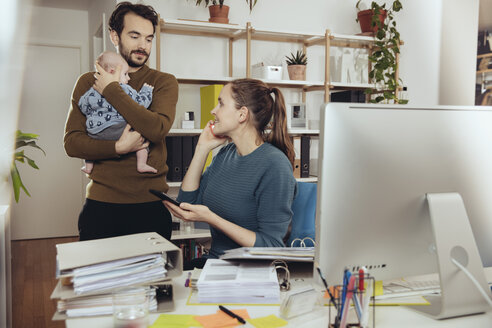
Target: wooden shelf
x=192 y=234
x=310 y=179
x=485 y=71
x=184 y=132
x=484 y=55
x=200 y=28
x=178 y=184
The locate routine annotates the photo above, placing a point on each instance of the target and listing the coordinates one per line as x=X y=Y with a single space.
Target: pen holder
x=358 y=311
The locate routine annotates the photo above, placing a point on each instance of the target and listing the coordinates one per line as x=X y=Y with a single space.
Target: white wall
x=38 y=216
x=458 y=52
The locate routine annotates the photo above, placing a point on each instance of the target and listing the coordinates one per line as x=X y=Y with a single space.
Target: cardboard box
x=266 y=72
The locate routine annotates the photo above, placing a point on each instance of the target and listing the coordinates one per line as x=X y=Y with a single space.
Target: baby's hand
x=148 y=85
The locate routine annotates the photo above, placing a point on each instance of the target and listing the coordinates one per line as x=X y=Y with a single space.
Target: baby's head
x=110 y=60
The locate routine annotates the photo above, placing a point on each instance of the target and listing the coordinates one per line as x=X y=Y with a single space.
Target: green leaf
x=379 y=99
x=403 y=101
x=17 y=183
x=32 y=163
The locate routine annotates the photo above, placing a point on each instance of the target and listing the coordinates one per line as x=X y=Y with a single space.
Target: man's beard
x=127 y=55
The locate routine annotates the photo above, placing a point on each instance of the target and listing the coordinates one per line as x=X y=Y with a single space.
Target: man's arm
x=155 y=123
x=76 y=141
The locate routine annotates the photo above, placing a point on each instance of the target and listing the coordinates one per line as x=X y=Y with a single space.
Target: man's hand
x=130 y=141
x=104 y=78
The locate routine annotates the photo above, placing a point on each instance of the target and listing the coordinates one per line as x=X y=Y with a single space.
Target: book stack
x=238 y=282
x=89 y=271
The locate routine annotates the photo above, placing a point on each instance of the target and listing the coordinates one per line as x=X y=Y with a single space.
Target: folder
x=174 y=158
x=71 y=256
x=296 y=141
x=305 y=145
x=187 y=153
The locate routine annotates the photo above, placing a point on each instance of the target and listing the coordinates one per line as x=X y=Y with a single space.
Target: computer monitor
x=377 y=164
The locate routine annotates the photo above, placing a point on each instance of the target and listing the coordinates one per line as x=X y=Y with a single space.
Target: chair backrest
x=304 y=215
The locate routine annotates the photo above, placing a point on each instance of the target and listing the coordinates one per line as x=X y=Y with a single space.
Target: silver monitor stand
x=454 y=239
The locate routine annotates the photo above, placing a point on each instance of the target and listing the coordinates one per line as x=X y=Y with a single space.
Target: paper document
x=299 y=254
x=233 y=282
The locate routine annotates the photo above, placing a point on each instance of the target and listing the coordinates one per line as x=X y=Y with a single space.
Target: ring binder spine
x=302 y=242
x=282 y=265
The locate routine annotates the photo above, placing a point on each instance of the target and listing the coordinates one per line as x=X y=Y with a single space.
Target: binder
x=187 y=153
x=296 y=141
x=305 y=145
x=75 y=255
x=174 y=158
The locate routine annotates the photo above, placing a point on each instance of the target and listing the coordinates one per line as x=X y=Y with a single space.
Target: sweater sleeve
x=153 y=124
x=274 y=195
x=76 y=141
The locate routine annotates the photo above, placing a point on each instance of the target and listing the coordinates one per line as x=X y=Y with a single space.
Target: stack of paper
x=92 y=270
x=233 y=282
x=298 y=254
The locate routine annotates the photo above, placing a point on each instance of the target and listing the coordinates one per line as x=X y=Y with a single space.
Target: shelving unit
x=193 y=234
x=481 y=76
x=236 y=32
x=232 y=33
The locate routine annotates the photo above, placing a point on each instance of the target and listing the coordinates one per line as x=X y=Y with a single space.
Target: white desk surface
x=386 y=316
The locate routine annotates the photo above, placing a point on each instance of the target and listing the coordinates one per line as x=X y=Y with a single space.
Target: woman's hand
x=130 y=141
x=208 y=140
x=190 y=212
x=104 y=78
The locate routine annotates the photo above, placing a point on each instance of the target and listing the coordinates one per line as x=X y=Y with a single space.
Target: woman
x=246 y=193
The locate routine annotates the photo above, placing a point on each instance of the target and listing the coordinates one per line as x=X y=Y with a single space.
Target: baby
x=103 y=121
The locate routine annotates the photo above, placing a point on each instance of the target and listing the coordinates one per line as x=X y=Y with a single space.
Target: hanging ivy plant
x=387 y=47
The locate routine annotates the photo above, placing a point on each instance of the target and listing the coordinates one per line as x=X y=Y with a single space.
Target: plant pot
x=365 y=18
x=219 y=14
x=297 y=72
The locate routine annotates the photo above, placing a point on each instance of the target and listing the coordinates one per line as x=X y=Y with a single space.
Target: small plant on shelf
x=296 y=65
x=387 y=49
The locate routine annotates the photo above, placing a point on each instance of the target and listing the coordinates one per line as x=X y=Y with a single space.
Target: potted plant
x=22 y=140
x=296 y=65
x=219 y=12
x=384 y=57
x=365 y=18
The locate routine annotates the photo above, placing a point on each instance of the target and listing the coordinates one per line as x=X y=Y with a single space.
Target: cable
x=472 y=278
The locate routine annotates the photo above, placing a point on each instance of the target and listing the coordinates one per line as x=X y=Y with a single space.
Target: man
x=118 y=201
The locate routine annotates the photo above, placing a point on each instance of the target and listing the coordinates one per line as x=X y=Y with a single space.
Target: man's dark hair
x=123 y=8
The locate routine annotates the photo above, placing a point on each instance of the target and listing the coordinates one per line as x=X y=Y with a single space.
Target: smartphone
x=164 y=196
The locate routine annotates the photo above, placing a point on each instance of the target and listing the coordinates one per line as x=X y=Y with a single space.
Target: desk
x=386 y=316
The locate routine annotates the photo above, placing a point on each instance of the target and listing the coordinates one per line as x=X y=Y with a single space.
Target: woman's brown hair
x=267 y=105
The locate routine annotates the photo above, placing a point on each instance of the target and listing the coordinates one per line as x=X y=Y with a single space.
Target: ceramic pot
x=297 y=72
x=218 y=14
x=365 y=17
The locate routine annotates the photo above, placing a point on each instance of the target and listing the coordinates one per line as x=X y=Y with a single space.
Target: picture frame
x=296 y=116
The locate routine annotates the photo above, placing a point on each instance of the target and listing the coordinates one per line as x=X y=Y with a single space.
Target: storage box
x=267 y=72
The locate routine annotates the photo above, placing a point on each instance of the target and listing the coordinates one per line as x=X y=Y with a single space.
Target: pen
x=232 y=314
x=346 y=279
x=362 y=273
x=332 y=299
x=348 y=296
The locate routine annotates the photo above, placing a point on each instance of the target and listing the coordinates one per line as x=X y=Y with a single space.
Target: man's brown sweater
x=114 y=178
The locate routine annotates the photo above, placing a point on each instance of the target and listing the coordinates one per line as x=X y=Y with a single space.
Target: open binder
x=71 y=256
